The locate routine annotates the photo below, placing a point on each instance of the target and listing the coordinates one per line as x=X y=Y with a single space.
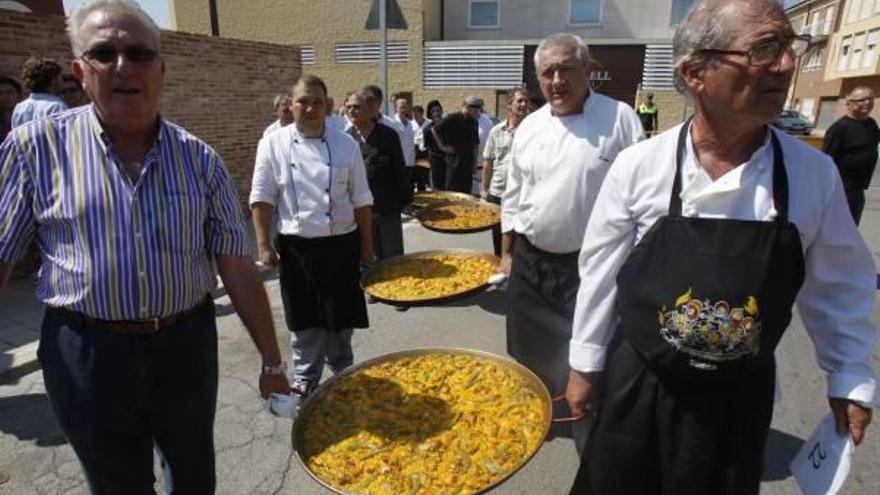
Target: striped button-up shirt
x=114 y=248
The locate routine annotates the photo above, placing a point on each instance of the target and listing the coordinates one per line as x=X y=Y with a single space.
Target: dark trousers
x=418 y=177
x=459 y=173
x=438 y=171
x=118 y=396
x=855 y=198
x=496 y=230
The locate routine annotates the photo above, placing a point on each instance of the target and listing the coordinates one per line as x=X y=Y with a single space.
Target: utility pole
x=383 y=54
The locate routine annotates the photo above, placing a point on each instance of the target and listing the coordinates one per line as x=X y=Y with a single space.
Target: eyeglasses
x=107 y=54
x=767 y=52
x=861 y=100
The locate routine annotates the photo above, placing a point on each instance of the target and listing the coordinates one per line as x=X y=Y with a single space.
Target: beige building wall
x=534 y=20
x=322 y=24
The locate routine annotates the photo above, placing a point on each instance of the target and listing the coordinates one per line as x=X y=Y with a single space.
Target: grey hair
x=567 y=39
x=279 y=99
x=128 y=7
x=709 y=24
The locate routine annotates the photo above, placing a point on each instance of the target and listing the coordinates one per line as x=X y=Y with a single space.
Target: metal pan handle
x=570 y=419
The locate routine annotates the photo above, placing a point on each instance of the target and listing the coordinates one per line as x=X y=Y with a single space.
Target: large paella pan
x=429 y=277
x=422 y=422
x=459 y=217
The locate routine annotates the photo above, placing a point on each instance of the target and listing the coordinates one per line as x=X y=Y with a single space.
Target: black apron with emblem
x=320 y=282
x=687 y=392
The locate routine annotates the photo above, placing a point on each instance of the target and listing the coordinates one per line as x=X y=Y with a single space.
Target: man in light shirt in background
x=561 y=154
x=42 y=79
x=283 y=115
x=496 y=154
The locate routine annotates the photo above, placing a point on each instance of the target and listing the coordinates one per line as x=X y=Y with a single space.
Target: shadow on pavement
x=779 y=450
x=493 y=301
x=30 y=417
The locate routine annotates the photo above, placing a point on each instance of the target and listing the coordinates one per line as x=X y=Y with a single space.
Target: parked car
x=792 y=122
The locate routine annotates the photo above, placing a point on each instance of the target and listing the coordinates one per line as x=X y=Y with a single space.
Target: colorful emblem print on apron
x=711 y=330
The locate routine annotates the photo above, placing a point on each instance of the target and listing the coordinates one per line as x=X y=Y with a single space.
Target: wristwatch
x=274 y=369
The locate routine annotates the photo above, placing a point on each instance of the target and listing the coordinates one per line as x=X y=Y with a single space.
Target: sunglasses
x=107 y=54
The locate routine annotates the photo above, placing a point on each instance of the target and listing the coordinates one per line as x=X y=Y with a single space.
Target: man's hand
x=582 y=392
x=850 y=417
x=367 y=256
x=268 y=256
x=273 y=384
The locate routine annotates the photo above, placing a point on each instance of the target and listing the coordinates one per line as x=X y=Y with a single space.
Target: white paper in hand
x=284 y=405
x=823 y=463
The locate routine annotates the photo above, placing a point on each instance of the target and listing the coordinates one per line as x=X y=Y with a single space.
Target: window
x=483 y=14
x=829 y=18
x=858 y=46
x=807 y=107
x=584 y=12
x=870 y=57
x=826 y=116
x=854 y=7
x=867 y=7
x=844 y=53
x=680 y=8
x=813 y=60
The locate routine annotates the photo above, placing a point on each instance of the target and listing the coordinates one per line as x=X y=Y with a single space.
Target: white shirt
x=557 y=166
x=407 y=139
x=311 y=198
x=497 y=150
x=335 y=121
x=36 y=106
x=419 y=131
x=274 y=126
x=837 y=296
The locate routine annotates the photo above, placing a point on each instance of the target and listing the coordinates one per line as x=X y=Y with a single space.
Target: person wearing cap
x=560 y=155
x=647 y=113
x=458 y=137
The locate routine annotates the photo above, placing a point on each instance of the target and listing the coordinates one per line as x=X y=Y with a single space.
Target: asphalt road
x=254 y=454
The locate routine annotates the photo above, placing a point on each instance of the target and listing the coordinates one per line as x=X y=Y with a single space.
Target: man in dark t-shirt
x=457 y=135
x=852 y=143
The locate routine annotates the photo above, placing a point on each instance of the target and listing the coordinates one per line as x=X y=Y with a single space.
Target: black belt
x=127 y=327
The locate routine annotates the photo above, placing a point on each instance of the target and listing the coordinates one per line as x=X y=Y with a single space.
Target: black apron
x=542 y=292
x=687 y=392
x=320 y=282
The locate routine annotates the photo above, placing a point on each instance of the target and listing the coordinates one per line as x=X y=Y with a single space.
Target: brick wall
x=219 y=89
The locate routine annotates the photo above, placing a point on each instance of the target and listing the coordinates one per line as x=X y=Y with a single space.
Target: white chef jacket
x=837 y=296
x=315 y=184
x=274 y=126
x=557 y=166
x=407 y=139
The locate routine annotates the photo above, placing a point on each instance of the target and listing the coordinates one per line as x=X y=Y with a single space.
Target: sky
x=158 y=10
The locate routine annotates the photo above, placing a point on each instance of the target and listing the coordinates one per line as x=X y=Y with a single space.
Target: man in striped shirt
x=130 y=212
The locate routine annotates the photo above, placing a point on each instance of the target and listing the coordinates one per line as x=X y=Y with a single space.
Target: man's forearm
x=249 y=298
x=363 y=216
x=262 y=214
x=487 y=174
x=507 y=241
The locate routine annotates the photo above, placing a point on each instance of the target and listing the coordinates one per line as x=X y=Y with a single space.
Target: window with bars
x=308 y=54
x=488 y=66
x=362 y=53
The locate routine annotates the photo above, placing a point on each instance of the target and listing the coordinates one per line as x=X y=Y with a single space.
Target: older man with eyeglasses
x=700 y=242
x=131 y=213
